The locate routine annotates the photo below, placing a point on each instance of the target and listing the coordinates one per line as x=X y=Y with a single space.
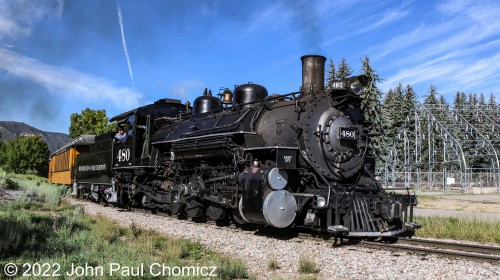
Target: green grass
x=39 y=227
x=306 y=265
x=463 y=228
x=425 y=198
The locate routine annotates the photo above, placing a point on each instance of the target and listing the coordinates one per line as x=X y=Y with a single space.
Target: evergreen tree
x=432 y=103
x=372 y=112
x=89 y=121
x=492 y=102
x=463 y=96
x=431 y=99
x=388 y=111
x=481 y=102
x=344 y=70
x=399 y=118
x=474 y=100
x=330 y=74
x=492 y=109
x=443 y=103
x=459 y=101
x=409 y=108
x=409 y=100
x=470 y=101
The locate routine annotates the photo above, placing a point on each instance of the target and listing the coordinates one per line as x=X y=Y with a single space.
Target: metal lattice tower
x=439 y=147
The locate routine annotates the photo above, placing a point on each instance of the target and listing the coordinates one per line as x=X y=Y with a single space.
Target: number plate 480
x=347 y=133
x=123 y=155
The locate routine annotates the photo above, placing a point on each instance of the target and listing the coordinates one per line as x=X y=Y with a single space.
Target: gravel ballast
x=347 y=262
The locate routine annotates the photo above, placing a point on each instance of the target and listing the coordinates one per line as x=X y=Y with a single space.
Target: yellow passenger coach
x=62 y=161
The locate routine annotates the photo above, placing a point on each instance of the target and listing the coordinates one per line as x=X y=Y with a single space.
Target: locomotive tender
x=296 y=160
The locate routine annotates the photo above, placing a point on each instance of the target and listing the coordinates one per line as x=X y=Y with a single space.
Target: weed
x=230 y=268
x=136 y=230
x=306 y=265
x=191 y=250
x=272 y=262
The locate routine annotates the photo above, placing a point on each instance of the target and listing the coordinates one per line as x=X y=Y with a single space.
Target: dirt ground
x=9 y=194
x=465 y=205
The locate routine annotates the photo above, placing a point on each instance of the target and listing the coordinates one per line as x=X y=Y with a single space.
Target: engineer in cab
x=121 y=136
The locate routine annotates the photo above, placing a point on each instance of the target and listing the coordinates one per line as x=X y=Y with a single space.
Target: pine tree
x=463 y=96
x=492 y=109
x=372 y=112
x=459 y=101
x=481 y=102
x=470 y=101
x=388 y=108
x=409 y=108
x=443 y=103
x=474 y=100
x=344 y=70
x=330 y=74
x=432 y=103
x=409 y=101
x=399 y=92
x=492 y=102
x=431 y=99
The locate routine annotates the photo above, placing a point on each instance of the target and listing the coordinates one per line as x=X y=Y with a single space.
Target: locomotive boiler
x=300 y=159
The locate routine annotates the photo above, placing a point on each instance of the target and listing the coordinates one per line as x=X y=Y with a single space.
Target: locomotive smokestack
x=313 y=73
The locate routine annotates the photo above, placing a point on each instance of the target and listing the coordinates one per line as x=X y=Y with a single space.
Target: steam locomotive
x=301 y=159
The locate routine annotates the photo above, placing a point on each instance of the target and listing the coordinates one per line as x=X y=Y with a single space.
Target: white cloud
x=18 y=17
x=68 y=83
x=458 y=50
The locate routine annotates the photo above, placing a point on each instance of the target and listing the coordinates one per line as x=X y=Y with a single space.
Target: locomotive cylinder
x=313 y=74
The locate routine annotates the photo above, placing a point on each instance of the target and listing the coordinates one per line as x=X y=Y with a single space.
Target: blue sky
x=59 y=57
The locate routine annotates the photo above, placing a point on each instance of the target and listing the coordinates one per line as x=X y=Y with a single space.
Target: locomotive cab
x=139 y=127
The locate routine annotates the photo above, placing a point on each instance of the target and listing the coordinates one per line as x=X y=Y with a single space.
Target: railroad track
x=414 y=245
x=442 y=248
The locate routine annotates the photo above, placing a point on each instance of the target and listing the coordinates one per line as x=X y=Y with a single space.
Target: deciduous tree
x=89 y=122
x=26 y=154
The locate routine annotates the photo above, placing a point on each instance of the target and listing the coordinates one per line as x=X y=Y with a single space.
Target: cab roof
x=148 y=109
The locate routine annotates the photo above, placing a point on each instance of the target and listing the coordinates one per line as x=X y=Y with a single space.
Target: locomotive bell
x=313 y=74
x=227 y=97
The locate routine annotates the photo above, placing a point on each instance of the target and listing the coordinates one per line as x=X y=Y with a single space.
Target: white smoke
x=125 y=44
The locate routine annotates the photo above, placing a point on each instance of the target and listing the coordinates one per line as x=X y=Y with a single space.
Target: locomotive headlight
x=320 y=202
x=356 y=84
x=356 y=87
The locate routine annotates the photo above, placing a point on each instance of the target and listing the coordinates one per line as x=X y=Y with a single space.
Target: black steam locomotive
x=296 y=160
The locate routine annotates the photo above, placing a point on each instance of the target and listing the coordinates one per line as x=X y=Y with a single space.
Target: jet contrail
x=125 y=44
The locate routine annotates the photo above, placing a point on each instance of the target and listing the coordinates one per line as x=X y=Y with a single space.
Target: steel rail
x=472 y=248
x=427 y=250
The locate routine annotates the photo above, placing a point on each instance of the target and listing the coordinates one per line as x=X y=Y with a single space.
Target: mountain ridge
x=12 y=129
